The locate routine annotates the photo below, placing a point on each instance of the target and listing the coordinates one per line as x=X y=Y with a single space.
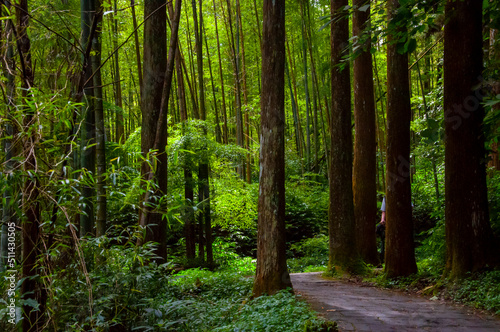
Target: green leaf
x=364 y=8
x=412 y=45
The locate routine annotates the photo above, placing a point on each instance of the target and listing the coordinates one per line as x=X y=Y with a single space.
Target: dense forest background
x=132 y=148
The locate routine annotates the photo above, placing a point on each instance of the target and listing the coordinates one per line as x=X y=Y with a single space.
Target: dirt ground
x=361 y=307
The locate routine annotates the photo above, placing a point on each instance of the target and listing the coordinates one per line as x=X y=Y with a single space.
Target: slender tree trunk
x=137 y=47
x=236 y=63
x=244 y=76
x=223 y=94
x=203 y=172
x=399 y=254
x=300 y=136
x=191 y=52
x=343 y=253
x=314 y=89
x=271 y=274
x=294 y=111
x=365 y=147
x=99 y=128
x=218 y=133
x=426 y=110
x=8 y=214
x=189 y=226
x=31 y=288
x=306 y=88
x=381 y=130
x=468 y=231
x=88 y=148
x=120 y=128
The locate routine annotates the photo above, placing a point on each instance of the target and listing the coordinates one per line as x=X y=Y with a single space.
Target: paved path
x=365 y=308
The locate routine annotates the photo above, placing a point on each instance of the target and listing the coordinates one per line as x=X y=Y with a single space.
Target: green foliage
x=306 y=210
x=130 y=292
x=309 y=255
x=228 y=260
x=431 y=255
x=494 y=200
x=482 y=290
x=235 y=202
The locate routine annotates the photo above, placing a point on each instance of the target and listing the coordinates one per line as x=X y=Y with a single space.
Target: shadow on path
x=365 y=308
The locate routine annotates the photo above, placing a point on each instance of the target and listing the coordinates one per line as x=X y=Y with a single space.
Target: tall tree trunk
x=343 y=253
x=237 y=75
x=189 y=227
x=155 y=65
x=8 y=214
x=294 y=111
x=223 y=94
x=315 y=89
x=306 y=89
x=120 y=128
x=399 y=254
x=271 y=274
x=244 y=76
x=31 y=288
x=381 y=130
x=218 y=132
x=203 y=172
x=365 y=146
x=88 y=148
x=468 y=231
x=100 y=131
x=137 y=47
x=157 y=231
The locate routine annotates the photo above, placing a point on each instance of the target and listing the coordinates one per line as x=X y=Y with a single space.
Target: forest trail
x=358 y=307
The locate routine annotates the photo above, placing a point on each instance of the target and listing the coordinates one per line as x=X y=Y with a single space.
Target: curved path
x=366 y=308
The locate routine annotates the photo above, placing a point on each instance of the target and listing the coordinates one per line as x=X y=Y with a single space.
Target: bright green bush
x=309 y=255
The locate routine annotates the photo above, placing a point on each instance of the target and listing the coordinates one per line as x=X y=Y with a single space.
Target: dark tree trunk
x=468 y=232
x=272 y=274
x=88 y=149
x=343 y=253
x=31 y=288
x=99 y=128
x=365 y=159
x=223 y=95
x=154 y=64
x=399 y=254
x=203 y=172
x=120 y=126
x=9 y=147
x=189 y=226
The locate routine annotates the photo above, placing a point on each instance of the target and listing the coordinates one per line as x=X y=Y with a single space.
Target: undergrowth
x=129 y=292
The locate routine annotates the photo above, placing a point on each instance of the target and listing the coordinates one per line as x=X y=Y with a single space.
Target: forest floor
x=357 y=306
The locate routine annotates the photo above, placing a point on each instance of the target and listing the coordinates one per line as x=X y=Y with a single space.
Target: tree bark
x=399 y=254
x=87 y=147
x=343 y=253
x=31 y=288
x=365 y=159
x=272 y=274
x=120 y=127
x=155 y=65
x=137 y=47
x=100 y=131
x=8 y=214
x=223 y=94
x=468 y=231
